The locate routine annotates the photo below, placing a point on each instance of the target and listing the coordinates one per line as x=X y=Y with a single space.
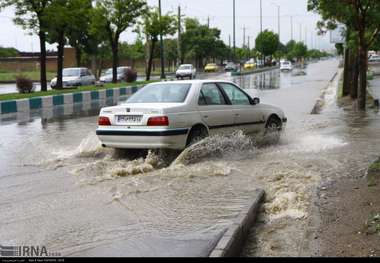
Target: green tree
x=199 y=42
x=299 y=51
x=267 y=43
x=8 y=52
x=30 y=14
x=78 y=30
x=171 y=51
x=115 y=16
x=152 y=27
x=64 y=16
x=360 y=16
x=133 y=52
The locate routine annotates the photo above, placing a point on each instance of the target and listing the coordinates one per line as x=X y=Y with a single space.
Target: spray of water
x=234 y=146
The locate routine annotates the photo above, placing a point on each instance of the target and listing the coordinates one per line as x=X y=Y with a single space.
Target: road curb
x=232 y=241
x=44 y=102
x=321 y=99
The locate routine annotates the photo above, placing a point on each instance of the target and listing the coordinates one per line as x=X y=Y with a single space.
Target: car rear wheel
x=196 y=134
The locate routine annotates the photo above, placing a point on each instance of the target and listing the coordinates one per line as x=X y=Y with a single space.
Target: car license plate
x=129 y=118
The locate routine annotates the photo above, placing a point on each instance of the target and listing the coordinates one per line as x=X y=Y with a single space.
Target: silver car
x=107 y=76
x=174 y=115
x=74 y=77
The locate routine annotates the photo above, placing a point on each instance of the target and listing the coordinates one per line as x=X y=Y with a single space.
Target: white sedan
x=174 y=115
x=74 y=77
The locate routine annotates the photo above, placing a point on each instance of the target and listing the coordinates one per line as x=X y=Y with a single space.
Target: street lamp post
x=261 y=16
x=234 y=29
x=278 y=19
x=162 y=44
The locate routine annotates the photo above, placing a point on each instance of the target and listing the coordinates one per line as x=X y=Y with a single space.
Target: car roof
x=196 y=81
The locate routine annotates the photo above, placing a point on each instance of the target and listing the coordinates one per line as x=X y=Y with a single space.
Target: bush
x=24 y=84
x=130 y=75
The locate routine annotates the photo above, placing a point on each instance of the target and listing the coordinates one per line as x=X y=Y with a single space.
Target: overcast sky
x=220 y=13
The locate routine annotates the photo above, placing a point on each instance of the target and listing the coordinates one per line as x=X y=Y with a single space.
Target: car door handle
x=237 y=114
x=205 y=116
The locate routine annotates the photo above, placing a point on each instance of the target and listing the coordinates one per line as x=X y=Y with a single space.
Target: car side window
x=211 y=95
x=236 y=96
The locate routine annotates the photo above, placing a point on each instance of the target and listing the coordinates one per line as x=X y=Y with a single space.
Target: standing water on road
x=75 y=197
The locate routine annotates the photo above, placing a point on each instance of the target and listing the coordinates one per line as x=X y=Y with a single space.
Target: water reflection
x=260 y=81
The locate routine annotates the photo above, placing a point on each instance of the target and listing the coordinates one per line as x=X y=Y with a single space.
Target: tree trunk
x=355 y=76
x=61 y=45
x=42 y=37
x=115 y=58
x=363 y=57
x=78 y=56
x=150 y=60
x=347 y=76
x=94 y=66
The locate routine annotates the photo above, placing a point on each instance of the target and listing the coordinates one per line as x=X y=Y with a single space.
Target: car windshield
x=71 y=72
x=285 y=63
x=185 y=67
x=161 y=93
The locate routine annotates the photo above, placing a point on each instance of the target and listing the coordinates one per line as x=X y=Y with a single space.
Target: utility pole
x=179 y=61
x=208 y=21
x=162 y=44
x=278 y=20
x=291 y=27
x=244 y=28
x=300 y=32
x=306 y=36
x=234 y=29
x=249 y=47
x=261 y=16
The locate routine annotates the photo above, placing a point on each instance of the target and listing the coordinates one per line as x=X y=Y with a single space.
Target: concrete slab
x=232 y=241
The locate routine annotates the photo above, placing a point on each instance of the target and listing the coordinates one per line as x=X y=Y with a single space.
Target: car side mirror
x=255 y=101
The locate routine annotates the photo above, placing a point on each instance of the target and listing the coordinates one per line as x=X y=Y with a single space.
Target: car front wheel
x=273 y=129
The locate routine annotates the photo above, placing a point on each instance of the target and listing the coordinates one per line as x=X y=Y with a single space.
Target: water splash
x=317 y=143
x=234 y=146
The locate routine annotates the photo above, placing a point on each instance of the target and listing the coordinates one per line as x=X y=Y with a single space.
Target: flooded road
x=60 y=189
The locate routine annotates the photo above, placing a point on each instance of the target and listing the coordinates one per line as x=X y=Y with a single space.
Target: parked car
x=250 y=64
x=230 y=66
x=186 y=71
x=174 y=115
x=107 y=76
x=374 y=58
x=211 y=67
x=286 y=65
x=73 y=77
